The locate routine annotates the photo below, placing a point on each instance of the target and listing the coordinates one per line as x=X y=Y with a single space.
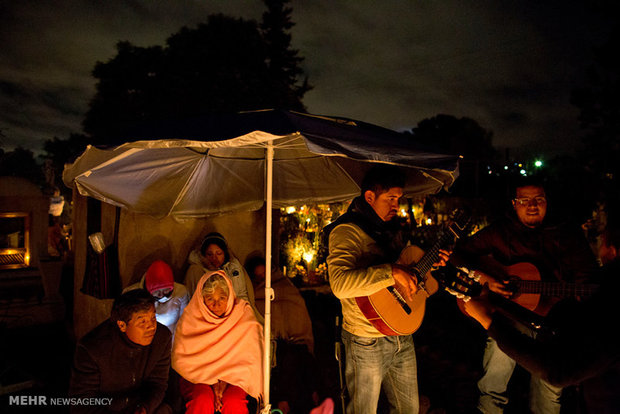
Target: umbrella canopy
x=213 y=165
x=217 y=164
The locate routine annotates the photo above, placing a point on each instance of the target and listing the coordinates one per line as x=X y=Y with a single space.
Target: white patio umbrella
x=213 y=165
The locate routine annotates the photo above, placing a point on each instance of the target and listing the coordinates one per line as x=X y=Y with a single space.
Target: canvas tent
x=214 y=165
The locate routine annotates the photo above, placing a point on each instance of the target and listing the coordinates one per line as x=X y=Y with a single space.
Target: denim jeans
x=498 y=368
x=385 y=362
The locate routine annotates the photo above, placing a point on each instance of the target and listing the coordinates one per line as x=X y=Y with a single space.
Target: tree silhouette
x=224 y=65
x=593 y=176
x=58 y=152
x=126 y=91
x=21 y=163
x=599 y=106
x=450 y=135
x=283 y=61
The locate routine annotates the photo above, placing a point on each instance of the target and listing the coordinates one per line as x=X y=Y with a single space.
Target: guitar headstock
x=459 y=220
x=457 y=281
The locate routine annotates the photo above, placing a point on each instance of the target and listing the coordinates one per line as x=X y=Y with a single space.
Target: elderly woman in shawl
x=218 y=349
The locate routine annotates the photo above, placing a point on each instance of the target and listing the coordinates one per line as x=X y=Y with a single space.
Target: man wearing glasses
x=559 y=253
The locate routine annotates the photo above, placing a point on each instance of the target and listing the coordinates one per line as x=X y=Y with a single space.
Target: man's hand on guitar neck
x=495 y=285
x=444 y=256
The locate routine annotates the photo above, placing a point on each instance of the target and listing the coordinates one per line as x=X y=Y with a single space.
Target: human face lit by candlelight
x=141 y=327
x=385 y=204
x=214 y=257
x=217 y=301
x=530 y=205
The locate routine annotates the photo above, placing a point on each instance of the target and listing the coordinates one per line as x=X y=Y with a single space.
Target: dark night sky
x=510 y=65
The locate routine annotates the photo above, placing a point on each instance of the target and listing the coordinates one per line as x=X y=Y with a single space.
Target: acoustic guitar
x=534 y=294
x=388 y=310
x=461 y=283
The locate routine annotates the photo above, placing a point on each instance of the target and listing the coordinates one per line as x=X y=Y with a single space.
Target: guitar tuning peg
x=457 y=294
x=470 y=273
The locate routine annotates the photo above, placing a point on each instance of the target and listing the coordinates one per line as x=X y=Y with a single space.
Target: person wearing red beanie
x=170 y=297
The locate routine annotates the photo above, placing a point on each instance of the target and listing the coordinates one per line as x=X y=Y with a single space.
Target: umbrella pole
x=268 y=290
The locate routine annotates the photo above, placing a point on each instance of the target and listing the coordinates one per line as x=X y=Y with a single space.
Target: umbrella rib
x=285 y=145
x=282 y=142
x=427 y=175
x=185 y=187
x=219 y=157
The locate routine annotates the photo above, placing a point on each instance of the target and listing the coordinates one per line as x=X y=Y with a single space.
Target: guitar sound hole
x=401 y=301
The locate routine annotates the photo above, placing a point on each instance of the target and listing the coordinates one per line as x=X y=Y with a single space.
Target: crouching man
x=126 y=358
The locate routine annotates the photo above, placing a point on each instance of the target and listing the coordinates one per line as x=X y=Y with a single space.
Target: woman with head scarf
x=218 y=349
x=215 y=254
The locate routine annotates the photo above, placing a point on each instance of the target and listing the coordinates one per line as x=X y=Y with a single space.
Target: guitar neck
x=425 y=264
x=558 y=289
x=459 y=282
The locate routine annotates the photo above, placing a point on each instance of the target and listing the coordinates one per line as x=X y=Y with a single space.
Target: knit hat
x=159 y=276
x=217 y=239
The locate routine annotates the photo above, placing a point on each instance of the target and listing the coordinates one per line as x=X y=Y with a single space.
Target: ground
x=38 y=360
x=449 y=350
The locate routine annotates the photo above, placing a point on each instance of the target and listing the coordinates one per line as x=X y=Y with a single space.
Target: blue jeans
x=373 y=363
x=498 y=368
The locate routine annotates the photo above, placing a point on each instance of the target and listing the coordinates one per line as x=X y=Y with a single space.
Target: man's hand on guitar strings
x=495 y=285
x=405 y=281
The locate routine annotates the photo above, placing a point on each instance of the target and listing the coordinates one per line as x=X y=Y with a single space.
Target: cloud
x=509 y=65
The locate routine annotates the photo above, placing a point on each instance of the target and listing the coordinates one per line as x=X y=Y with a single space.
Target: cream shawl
x=208 y=348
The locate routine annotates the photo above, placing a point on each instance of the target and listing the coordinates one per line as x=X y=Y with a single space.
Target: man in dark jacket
x=560 y=253
x=126 y=358
x=586 y=347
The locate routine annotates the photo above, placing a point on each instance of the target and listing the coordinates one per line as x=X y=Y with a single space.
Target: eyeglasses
x=526 y=201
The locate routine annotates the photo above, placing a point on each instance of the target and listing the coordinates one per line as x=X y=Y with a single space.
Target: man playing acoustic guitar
x=364 y=245
x=585 y=348
x=560 y=253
